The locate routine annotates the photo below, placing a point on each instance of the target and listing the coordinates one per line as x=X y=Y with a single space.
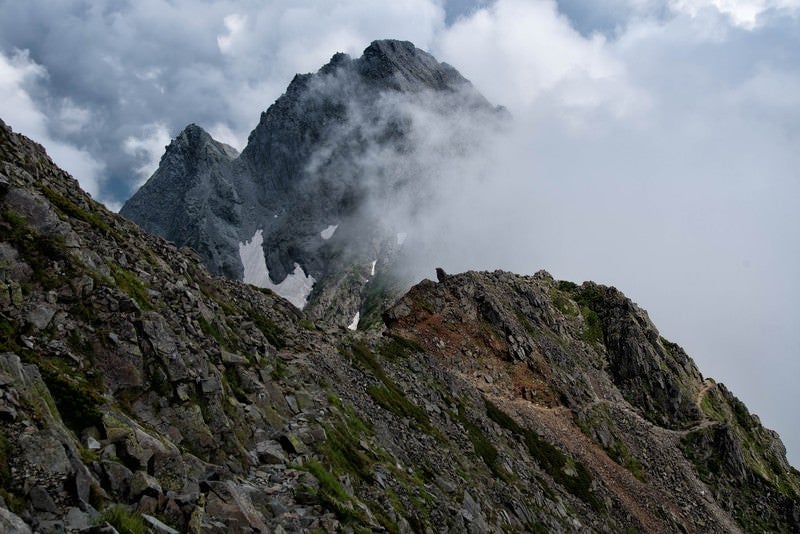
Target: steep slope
x=307 y=193
x=135 y=387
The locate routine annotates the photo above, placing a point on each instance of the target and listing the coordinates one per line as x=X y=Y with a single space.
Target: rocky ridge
x=140 y=391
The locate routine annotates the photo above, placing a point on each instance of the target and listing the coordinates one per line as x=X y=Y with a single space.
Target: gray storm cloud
x=652 y=144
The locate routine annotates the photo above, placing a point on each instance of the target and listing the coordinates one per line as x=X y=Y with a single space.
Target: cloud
x=148 y=149
x=742 y=13
x=18 y=76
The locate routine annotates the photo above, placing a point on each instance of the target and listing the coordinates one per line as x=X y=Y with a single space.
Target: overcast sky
x=656 y=143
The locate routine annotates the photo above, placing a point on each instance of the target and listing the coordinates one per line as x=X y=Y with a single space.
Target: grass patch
x=342 y=450
x=483 y=447
x=211 y=329
x=333 y=496
x=39 y=251
x=130 y=284
x=78 y=406
x=392 y=399
x=566 y=286
x=593 y=332
x=526 y=324
x=274 y=333
x=70 y=209
x=399 y=347
x=569 y=473
x=5 y=454
x=125 y=521
x=8 y=336
x=389 y=396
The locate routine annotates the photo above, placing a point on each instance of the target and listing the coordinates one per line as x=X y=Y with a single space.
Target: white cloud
x=18 y=75
x=147 y=149
x=742 y=13
x=234 y=24
x=519 y=53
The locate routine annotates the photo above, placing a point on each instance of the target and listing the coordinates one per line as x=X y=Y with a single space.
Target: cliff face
x=303 y=191
x=137 y=388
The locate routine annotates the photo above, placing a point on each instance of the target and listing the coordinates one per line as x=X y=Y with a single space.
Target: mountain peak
x=195 y=137
x=402 y=66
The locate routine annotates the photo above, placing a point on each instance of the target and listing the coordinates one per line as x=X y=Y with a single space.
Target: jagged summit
x=403 y=67
x=306 y=168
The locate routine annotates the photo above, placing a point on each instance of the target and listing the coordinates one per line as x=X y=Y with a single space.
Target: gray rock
x=76 y=519
x=157 y=525
x=117 y=477
x=41 y=315
x=143 y=484
x=42 y=501
x=11 y=523
x=270 y=452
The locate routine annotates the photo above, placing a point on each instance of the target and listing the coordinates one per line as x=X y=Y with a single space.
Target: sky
x=655 y=144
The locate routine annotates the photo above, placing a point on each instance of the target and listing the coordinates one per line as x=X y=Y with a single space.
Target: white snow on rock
x=327 y=233
x=354 y=324
x=295 y=288
x=372 y=270
x=401 y=238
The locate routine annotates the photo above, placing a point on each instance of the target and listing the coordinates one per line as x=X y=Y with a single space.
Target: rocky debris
x=160 y=394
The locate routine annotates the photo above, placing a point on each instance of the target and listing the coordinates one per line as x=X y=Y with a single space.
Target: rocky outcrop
x=309 y=166
x=140 y=392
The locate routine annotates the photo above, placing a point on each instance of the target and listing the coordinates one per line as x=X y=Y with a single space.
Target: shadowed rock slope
x=138 y=390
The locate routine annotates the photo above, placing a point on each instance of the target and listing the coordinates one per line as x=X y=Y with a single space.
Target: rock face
x=136 y=388
x=305 y=177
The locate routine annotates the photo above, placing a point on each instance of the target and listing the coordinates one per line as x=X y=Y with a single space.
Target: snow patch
x=354 y=324
x=327 y=233
x=372 y=270
x=401 y=238
x=295 y=288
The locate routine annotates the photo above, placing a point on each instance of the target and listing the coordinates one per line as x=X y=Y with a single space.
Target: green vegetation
x=77 y=403
x=70 y=209
x=378 y=292
x=125 y=521
x=593 y=333
x=398 y=347
x=39 y=251
x=231 y=377
x=342 y=450
x=212 y=330
x=8 y=335
x=392 y=399
x=562 y=302
x=526 y=324
x=5 y=454
x=274 y=333
x=620 y=454
x=566 y=286
x=483 y=447
x=333 y=496
x=569 y=473
x=279 y=370
x=130 y=284
x=389 y=396
x=617 y=451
